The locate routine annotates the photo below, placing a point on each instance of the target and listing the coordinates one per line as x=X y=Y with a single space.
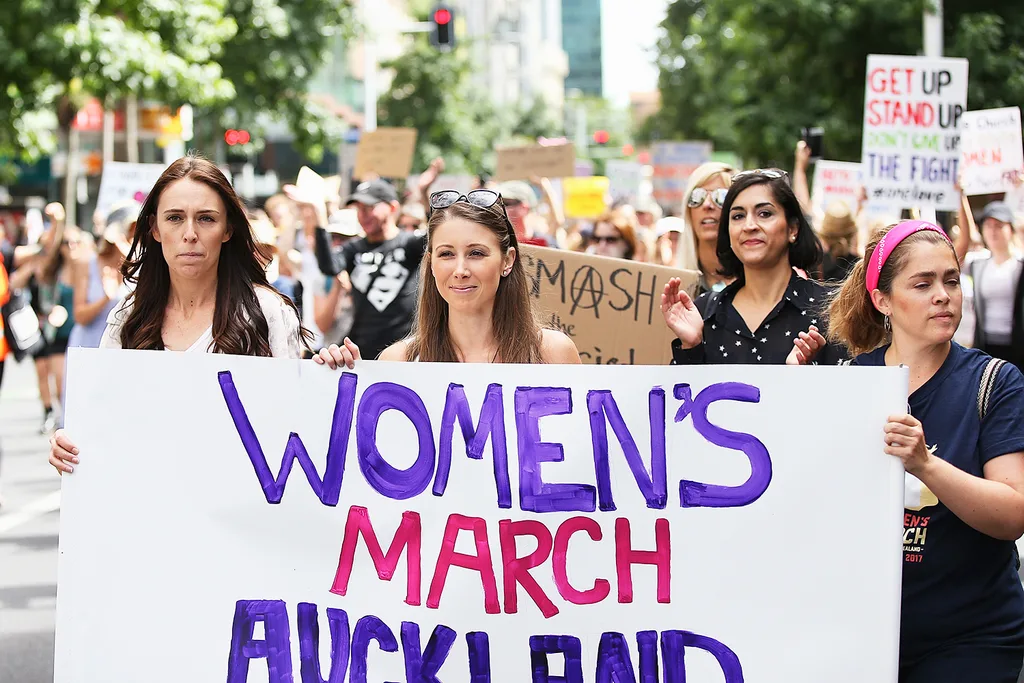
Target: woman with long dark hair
x=768 y=315
x=474 y=300
x=962 y=446
x=200 y=284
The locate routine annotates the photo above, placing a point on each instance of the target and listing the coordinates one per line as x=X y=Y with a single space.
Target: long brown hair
x=515 y=324
x=239 y=326
x=626 y=228
x=853 y=319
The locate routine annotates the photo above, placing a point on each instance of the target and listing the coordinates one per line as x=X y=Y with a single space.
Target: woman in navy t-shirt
x=963 y=605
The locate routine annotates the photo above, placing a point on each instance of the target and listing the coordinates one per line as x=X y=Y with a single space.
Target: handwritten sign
x=542 y=161
x=835 y=181
x=673 y=163
x=992 y=153
x=445 y=522
x=610 y=307
x=913 y=111
x=122 y=181
x=625 y=179
x=388 y=152
x=585 y=197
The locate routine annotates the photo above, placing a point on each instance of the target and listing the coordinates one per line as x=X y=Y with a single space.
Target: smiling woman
x=474 y=304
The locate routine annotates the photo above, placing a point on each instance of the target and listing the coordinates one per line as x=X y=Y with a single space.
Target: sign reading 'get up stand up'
x=273 y=521
x=913 y=108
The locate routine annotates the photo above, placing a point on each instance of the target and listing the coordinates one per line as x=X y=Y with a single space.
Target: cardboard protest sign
x=835 y=181
x=458 y=523
x=585 y=197
x=122 y=181
x=673 y=163
x=624 y=180
x=991 y=150
x=543 y=161
x=388 y=152
x=913 y=110
x=610 y=307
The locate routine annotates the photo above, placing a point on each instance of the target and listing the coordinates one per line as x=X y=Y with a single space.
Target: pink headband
x=888 y=244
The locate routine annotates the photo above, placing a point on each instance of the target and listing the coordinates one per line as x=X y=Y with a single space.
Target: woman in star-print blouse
x=769 y=315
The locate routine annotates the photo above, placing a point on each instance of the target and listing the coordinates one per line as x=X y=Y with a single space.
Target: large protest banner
x=992 y=152
x=122 y=181
x=598 y=521
x=835 y=181
x=610 y=307
x=913 y=108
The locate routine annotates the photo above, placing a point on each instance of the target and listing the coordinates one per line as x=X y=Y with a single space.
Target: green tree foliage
x=749 y=75
x=433 y=92
x=228 y=58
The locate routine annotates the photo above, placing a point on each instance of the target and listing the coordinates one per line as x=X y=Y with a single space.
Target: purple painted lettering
x=479 y=657
x=369 y=628
x=387 y=480
x=309 y=644
x=422 y=666
x=569 y=646
x=275 y=648
x=674 y=644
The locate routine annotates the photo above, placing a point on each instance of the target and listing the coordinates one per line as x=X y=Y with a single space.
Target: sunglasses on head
x=485 y=199
x=769 y=173
x=700 y=195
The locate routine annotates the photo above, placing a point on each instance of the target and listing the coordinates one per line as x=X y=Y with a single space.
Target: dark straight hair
x=239 y=326
x=805 y=253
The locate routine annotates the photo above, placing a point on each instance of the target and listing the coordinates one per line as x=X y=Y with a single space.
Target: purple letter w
x=329 y=489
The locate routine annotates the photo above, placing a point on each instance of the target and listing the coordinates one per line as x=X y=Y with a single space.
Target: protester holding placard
x=474 y=304
x=199 y=284
x=705 y=193
x=615 y=236
x=999 y=288
x=963 y=449
x=769 y=315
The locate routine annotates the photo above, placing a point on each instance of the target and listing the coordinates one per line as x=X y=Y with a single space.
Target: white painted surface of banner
x=175 y=566
x=835 y=181
x=992 y=150
x=122 y=180
x=625 y=178
x=913 y=110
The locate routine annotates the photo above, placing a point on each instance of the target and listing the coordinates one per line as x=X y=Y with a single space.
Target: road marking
x=34 y=510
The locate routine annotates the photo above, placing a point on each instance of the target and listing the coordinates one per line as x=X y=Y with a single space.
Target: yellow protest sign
x=585 y=197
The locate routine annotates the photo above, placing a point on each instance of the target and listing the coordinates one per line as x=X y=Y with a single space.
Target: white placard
x=624 y=180
x=992 y=150
x=186 y=556
x=122 y=181
x=835 y=181
x=913 y=108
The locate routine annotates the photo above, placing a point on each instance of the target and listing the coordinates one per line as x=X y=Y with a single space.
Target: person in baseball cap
x=373 y=192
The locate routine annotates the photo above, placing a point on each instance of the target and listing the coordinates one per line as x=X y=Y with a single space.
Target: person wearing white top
x=200 y=283
x=998 y=288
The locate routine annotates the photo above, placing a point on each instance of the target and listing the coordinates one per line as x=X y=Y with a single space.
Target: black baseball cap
x=374 y=192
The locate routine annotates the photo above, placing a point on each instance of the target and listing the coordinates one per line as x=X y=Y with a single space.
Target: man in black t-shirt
x=382 y=269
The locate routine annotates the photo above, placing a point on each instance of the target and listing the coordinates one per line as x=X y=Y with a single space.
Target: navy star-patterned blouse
x=727 y=340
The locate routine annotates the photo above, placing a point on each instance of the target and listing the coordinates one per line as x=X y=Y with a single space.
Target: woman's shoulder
x=272 y=304
x=283 y=331
x=557 y=347
x=397 y=352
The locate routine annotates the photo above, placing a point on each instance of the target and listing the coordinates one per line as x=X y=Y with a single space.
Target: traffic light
x=442 y=34
x=601 y=137
x=237 y=137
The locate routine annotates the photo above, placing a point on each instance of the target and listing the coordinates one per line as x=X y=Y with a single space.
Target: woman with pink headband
x=963 y=449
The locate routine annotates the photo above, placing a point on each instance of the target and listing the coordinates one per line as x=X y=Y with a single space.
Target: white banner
x=913 y=108
x=835 y=181
x=992 y=150
x=606 y=521
x=624 y=178
x=122 y=181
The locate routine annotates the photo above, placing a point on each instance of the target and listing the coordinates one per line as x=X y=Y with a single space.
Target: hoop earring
x=888 y=325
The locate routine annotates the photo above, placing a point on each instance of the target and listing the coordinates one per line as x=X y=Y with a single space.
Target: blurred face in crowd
x=608 y=241
x=925 y=302
x=409 y=223
x=517 y=213
x=998 y=235
x=467 y=262
x=374 y=218
x=645 y=219
x=705 y=218
x=759 y=233
x=190 y=225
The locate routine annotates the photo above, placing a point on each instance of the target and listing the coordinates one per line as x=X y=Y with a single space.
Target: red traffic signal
x=601 y=137
x=237 y=137
x=442 y=32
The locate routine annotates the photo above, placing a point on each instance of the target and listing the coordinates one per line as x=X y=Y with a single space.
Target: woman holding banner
x=769 y=315
x=200 y=284
x=963 y=449
x=474 y=302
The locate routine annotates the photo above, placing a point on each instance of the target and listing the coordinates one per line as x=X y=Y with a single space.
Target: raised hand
x=681 y=314
x=806 y=347
x=335 y=356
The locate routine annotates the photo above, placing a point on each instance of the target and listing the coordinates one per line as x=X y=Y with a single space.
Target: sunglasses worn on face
x=700 y=195
x=607 y=239
x=769 y=173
